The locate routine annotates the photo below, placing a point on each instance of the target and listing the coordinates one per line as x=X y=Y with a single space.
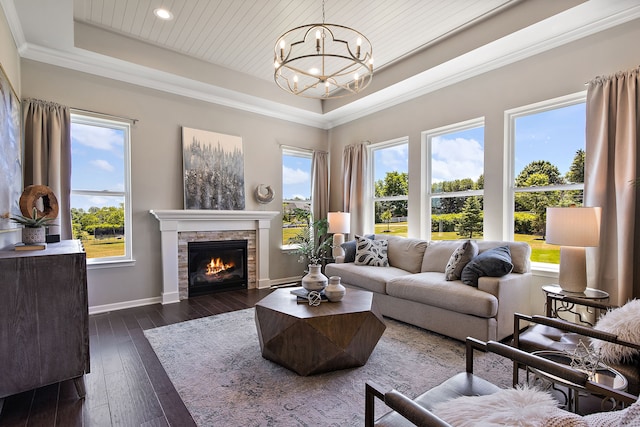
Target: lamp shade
x=339 y=222
x=573 y=226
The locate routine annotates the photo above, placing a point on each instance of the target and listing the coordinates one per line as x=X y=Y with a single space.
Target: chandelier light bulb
x=358 y=46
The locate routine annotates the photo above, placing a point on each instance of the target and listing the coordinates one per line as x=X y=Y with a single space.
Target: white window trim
x=369 y=220
x=509 y=188
x=127 y=259
x=299 y=152
x=427 y=137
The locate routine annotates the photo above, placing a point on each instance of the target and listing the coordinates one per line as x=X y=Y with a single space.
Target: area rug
x=216 y=366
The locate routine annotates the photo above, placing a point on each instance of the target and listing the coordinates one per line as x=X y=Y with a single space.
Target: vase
x=314 y=280
x=33 y=235
x=335 y=290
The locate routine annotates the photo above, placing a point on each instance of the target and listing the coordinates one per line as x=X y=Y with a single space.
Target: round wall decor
x=29 y=200
x=264 y=194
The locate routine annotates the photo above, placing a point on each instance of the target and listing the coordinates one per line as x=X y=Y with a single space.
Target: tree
x=543 y=167
x=576 y=171
x=386 y=217
x=471 y=218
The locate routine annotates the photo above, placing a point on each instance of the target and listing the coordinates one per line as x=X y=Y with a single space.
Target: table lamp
x=339 y=225
x=573 y=228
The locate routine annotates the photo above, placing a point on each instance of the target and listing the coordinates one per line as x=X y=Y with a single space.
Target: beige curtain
x=610 y=170
x=47 y=140
x=320 y=184
x=354 y=176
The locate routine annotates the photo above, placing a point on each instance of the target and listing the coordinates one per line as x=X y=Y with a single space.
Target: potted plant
x=312 y=250
x=34 y=227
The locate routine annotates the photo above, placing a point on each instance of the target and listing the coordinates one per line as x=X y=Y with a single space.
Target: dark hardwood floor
x=127 y=385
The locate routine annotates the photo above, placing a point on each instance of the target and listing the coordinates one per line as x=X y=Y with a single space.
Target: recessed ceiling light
x=163 y=14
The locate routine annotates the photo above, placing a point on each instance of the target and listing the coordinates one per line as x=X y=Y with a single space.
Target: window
x=455 y=181
x=296 y=192
x=391 y=186
x=100 y=188
x=548 y=142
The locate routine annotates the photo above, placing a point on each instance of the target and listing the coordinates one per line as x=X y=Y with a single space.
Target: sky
x=296 y=177
x=97 y=164
x=554 y=135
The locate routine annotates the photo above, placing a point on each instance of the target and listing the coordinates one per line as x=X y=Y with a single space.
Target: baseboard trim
x=97 y=309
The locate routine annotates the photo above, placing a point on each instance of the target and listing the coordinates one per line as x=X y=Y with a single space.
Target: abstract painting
x=10 y=154
x=213 y=168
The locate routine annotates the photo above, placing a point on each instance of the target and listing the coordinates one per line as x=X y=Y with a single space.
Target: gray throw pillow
x=371 y=252
x=494 y=262
x=350 y=248
x=459 y=259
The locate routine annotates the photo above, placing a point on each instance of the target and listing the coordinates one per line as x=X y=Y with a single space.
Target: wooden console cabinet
x=44 y=317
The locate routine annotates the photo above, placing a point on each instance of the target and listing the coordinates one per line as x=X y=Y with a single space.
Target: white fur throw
x=625 y=323
x=523 y=407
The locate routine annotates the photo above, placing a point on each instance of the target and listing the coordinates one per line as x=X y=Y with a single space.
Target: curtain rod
x=82 y=110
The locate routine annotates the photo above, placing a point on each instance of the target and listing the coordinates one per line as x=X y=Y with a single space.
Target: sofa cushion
x=371 y=252
x=431 y=288
x=494 y=262
x=459 y=259
x=364 y=276
x=437 y=255
x=520 y=253
x=405 y=252
x=350 y=248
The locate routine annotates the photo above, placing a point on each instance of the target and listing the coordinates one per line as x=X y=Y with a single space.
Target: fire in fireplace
x=217 y=266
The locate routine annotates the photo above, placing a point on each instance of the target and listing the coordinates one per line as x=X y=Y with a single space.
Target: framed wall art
x=213 y=170
x=10 y=154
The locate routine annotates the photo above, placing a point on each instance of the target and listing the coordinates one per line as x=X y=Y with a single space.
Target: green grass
x=103 y=247
x=540 y=251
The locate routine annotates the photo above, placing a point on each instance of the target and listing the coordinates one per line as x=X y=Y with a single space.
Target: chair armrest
x=412 y=411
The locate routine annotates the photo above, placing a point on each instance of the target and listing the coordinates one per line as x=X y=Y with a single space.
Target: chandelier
x=323 y=61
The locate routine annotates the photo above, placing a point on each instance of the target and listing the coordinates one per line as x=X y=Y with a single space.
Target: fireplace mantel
x=174 y=221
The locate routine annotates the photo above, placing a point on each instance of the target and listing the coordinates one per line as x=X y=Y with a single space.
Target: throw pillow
x=494 y=262
x=371 y=252
x=522 y=406
x=459 y=259
x=350 y=248
x=625 y=323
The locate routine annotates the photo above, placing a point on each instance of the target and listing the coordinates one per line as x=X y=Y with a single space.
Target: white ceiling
x=221 y=51
x=240 y=35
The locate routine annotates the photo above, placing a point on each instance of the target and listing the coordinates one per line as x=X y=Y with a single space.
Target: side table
x=585 y=315
x=604 y=375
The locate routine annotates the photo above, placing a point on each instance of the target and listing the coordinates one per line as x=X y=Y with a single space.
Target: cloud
x=102 y=164
x=294 y=176
x=99 y=138
x=456 y=159
x=394 y=158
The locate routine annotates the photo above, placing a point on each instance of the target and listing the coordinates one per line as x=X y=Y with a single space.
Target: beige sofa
x=413 y=288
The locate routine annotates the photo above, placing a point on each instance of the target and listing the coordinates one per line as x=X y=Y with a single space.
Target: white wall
x=558 y=72
x=157 y=164
x=10 y=63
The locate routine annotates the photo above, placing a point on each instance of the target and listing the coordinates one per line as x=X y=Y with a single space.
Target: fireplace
x=215 y=266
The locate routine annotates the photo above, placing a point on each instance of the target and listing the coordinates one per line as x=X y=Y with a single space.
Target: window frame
x=371 y=208
x=295 y=152
x=428 y=195
x=510 y=189
x=91 y=119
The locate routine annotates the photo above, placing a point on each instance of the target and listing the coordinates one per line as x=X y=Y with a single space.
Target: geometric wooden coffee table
x=311 y=340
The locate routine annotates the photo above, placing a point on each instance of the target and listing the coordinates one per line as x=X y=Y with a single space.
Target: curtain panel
x=354 y=176
x=47 y=140
x=320 y=184
x=611 y=171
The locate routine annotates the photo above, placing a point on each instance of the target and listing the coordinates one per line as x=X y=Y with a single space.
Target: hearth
x=217 y=266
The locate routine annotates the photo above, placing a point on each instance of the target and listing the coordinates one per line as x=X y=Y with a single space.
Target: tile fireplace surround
x=177 y=227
